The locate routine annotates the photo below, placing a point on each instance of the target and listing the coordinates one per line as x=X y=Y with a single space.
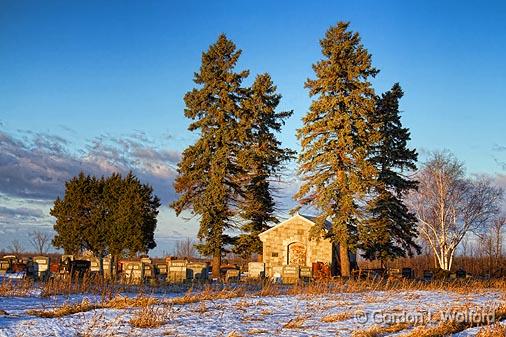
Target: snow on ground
x=246 y=316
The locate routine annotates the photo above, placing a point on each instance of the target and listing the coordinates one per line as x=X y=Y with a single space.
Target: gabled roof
x=307 y=218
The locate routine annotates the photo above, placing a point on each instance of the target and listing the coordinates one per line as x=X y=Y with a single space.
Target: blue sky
x=80 y=79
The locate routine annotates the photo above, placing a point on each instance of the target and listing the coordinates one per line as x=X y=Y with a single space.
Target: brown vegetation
x=342 y=316
x=295 y=323
x=65 y=310
x=377 y=331
x=150 y=316
x=16 y=288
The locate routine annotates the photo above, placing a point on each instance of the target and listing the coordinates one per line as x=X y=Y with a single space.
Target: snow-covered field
x=309 y=315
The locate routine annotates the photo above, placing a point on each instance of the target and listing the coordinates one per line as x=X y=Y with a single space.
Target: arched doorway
x=296 y=254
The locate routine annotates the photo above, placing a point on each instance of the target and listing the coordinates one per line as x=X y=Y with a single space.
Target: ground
x=331 y=314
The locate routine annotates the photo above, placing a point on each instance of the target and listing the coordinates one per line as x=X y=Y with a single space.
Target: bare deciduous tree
x=491 y=243
x=40 y=241
x=16 y=247
x=185 y=249
x=449 y=205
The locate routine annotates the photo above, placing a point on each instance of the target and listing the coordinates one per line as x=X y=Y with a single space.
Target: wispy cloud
x=500 y=149
x=36 y=165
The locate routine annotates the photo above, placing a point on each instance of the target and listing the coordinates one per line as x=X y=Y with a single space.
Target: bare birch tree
x=449 y=205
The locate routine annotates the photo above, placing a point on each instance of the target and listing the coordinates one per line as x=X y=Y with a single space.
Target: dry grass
x=234 y=334
x=495 y=330
x=150 y=316
x=207 y=294
x=65 y=310
x=88 y=284
x=377 y=330
x=117 y=302
x=123 y=302
x=265 y=312
x=16 y=288
x=356 y=286
x=295 y=323
x=141 y=301
x=342 y=316
x=449 y=327
x=202 y=308
x=256 y=331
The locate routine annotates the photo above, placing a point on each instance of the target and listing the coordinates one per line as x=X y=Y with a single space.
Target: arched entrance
x=296 y=254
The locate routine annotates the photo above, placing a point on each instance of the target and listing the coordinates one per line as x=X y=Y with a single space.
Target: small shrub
x=150 y=316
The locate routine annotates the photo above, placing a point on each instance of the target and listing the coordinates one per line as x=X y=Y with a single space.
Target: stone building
x=289 y=244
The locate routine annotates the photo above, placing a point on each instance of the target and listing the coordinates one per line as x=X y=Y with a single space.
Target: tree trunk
x=216 y=264
x=344 y=259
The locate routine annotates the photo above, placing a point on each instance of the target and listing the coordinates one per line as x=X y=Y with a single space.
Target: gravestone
x=196 y=271
x=428 y=275
x=42 y=267
x=109 y=267
x=460 y=274
x=176 y=271
x=408 y=273
x=290 y=274
x=232 y=275
x=133 y=272
x=256 y=270
x=306 y=274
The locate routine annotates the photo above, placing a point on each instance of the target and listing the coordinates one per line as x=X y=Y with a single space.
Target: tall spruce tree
x=336 y=137
x=208 y=171
x=261 y=157
x=390 y=229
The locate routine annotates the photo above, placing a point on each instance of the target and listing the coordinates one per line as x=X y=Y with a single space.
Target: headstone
x=408 y=273
x=147 y=270
x=176 y=270
x=109 y=267
x=232 y=275
x=146 y=260
x=176 y=274
x=79 y=267
x=95 y=264
x=461 y=273
x=428 y=275
x=196 y=271
x=5 y=265
x=306 y=272
x=42 y=267
x=256 y=270
x=393 y=272
x=290 y=274
x=133 y=272
x=161 y=269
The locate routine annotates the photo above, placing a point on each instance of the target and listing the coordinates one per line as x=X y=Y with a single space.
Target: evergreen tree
x=208 y=171
x=72 y=215
x=336 y=137
x=390 y=229
x=261 y=156
x=107 y=215
x=135 y=215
